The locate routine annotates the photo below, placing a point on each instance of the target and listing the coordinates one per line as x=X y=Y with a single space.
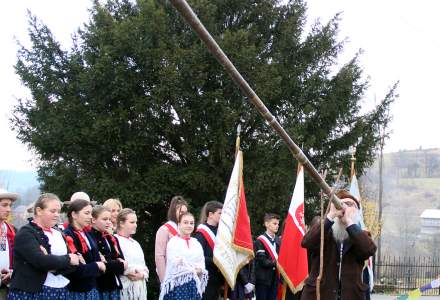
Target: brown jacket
x=355 y=251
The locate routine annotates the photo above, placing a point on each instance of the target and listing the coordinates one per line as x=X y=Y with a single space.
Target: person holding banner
x=267 y=247
x=178 y=206
x=205 y=234
x=346 y=247
x=245 y=285
x=186 y=276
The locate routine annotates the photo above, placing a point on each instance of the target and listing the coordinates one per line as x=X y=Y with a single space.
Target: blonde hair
x=109 y=203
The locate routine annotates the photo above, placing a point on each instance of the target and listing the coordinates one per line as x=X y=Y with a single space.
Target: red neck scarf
x=186 y=239
x=108 y=236
x=48 y=229
x=70 y=244
x=84 y=246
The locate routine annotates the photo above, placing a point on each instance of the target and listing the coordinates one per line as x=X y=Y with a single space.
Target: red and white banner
x=233 y=245
x=354 y=190
x=292 y=259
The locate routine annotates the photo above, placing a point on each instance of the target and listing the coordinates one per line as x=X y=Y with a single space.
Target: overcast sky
x=400 y=41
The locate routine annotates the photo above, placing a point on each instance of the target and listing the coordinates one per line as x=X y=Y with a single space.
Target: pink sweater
x=160 y=250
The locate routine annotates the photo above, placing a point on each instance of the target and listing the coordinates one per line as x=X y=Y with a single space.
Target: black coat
x=31 y=264
x=84 y=277
x=109 y=281
x=214 y=273
x=265 y=267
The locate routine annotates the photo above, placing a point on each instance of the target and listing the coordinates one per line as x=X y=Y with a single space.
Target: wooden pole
x=190 y=17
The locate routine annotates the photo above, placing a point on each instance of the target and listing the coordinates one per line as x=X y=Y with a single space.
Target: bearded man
x=346 y=247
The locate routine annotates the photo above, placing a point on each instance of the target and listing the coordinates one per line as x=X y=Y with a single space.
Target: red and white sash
x=208 y=234
x=172 y=227
x=271 y=248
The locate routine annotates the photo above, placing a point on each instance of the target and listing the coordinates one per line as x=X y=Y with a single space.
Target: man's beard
x=339 y=230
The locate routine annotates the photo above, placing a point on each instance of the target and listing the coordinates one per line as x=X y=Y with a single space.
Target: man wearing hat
x=7 y=234
x=346 y=247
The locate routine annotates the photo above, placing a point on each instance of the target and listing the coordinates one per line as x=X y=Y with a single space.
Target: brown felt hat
x=346 y=194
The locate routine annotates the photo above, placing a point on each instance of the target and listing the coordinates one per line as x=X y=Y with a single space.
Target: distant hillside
x=411 y=184
x=24 y=183
x=18 y=180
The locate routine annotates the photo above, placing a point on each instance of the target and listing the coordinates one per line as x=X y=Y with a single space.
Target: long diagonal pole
x=190 y=17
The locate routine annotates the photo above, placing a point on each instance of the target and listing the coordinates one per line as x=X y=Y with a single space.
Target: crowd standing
x=93 y=255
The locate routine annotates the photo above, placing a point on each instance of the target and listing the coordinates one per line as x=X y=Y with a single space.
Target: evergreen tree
x=139 y=109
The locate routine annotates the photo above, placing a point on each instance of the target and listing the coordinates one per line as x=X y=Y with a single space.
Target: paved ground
x=383 y=297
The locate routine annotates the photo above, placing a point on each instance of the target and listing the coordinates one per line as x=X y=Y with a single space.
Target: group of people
x=346 y=247
x=93 y=255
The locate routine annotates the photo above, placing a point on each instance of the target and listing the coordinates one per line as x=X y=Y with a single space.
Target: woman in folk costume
x=41 y=258
x=83 y=284
x=205 y=234
x=115 y=207
x=177 y=207
x=185 y=276
x=109 y=283
x=134 y=285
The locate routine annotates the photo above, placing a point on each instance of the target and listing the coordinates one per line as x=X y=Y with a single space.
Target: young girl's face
x=186 y=225
x=103 y=221
x=129 y=226
x=50 y=215
x=83 y=217
x=116 y=209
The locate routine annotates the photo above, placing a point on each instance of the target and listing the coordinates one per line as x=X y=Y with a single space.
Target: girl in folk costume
x=41 y=258
x=205 y=234
x=115 y=207
x=134 y=285
x=7 y=234
x=177 y=207
x=109 y=283
x=185 y=276
x=267 y=247
x=83 y=284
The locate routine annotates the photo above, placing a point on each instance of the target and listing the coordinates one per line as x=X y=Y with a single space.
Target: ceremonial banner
x=233 y=246
x=292 y=259
x=354 y=190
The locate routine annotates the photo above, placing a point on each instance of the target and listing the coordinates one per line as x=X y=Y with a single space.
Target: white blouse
x=184 y=256
x=57 y=247
x=133 y=254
